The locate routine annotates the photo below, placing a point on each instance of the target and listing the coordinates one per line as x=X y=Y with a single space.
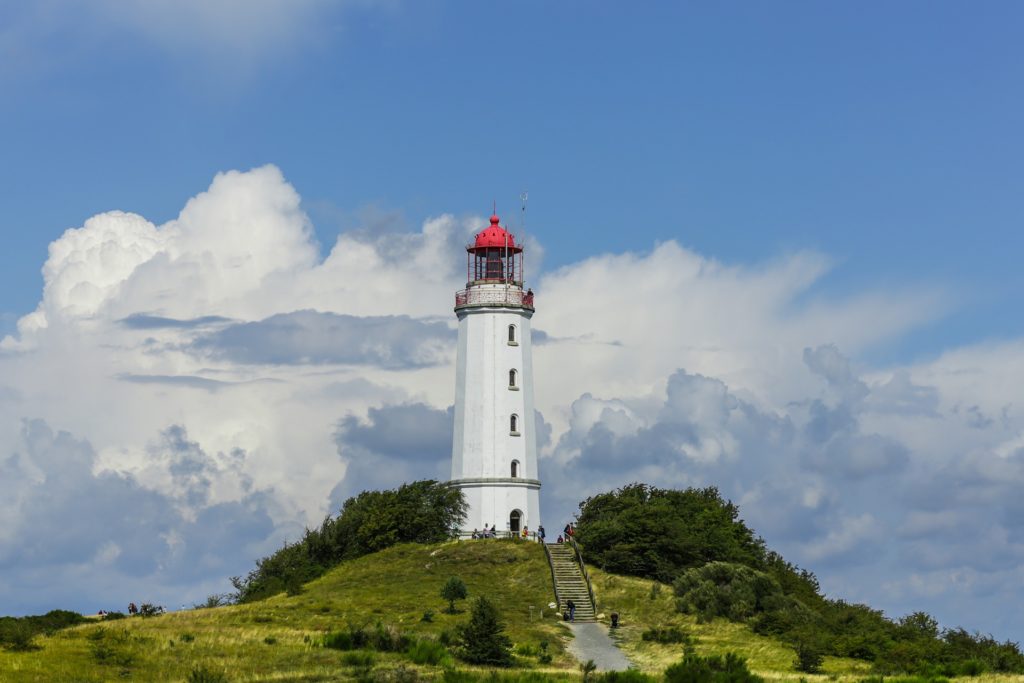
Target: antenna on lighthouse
x=522 y=234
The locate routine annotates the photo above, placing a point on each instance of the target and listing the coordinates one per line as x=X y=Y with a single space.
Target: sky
x=775 y=249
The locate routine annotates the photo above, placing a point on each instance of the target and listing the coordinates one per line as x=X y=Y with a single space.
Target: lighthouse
x=494 y=448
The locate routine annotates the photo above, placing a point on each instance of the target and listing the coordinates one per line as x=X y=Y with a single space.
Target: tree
x=453 y=589
x=482 y=639
x=420 y=512
x=657 y=533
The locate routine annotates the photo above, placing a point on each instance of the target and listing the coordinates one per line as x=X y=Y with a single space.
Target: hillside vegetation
x=280 y=638
x=720 y=569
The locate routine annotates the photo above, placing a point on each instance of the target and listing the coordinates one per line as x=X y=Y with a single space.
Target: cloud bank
x=188 y=395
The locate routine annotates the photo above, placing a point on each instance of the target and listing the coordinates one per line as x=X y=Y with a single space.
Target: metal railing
x=583 y=568
x=554 y=579
x=510 y=296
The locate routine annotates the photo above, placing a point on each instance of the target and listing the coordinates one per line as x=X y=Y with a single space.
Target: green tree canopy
x=482 y=639
x=421 y=512
x=454 y=589
x=657 y=533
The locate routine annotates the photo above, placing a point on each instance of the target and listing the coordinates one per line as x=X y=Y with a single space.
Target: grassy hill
x=279 y=639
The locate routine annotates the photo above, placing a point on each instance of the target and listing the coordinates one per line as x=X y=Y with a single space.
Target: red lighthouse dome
x=495 y=236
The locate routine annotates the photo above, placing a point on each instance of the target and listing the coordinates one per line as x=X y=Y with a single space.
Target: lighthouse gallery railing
x=494 y=297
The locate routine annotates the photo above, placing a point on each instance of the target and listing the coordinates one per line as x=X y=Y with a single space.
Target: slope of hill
x=279 y=639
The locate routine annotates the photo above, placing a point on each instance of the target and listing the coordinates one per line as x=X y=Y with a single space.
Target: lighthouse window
x=512 y=379
x=512 y=341
x=513 y=425
x=515 y=469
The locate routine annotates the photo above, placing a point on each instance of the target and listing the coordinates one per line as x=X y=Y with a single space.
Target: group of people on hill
x=492 y=532
x=486 y=533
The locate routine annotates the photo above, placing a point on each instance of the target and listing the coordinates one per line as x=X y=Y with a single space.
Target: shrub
x=18 y=637
x=482 y=639
x=454 y=589
x=215 y=600
x=713 y=669
x=389 y=639
x=665 y=636
x=544 y=657
x=270 y=640
x=114 y=616
x=358 y=658
x=203 y=674
x=628 y=676
x=428 y=616
x=972 y=667
x=809 y=657
x=186 y=637
x=427 y=652
x=354 y=638
x=149 y=610
x=723 y=589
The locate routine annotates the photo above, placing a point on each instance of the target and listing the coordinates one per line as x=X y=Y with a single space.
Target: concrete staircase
x=569 y=581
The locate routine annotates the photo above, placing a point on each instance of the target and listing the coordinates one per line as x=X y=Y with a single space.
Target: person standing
x=572 y=609
x=540 y=533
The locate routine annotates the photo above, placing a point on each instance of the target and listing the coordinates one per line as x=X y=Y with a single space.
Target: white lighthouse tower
x=494 y=450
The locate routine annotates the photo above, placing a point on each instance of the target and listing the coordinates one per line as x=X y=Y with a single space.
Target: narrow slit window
x=512 y=334
x=513 y=424
x=512 y=376
x=515 y=469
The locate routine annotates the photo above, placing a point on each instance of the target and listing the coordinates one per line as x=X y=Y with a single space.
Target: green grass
x=278 y=639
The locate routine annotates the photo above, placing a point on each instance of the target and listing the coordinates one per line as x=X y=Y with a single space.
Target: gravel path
x=593 y=642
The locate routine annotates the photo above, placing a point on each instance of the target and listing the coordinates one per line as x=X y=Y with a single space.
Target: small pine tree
x=454 y=589
x=482 y=639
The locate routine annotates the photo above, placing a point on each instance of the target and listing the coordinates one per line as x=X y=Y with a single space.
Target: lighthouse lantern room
x=494 y=449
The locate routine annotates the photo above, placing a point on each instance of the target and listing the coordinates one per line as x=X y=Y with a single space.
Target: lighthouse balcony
x=496 y=296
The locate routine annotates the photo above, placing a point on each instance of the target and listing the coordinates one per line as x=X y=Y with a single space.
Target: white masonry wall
x=483 y=447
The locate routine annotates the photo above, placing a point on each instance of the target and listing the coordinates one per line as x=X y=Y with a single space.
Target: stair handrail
x=554 y=579
x=583 y=567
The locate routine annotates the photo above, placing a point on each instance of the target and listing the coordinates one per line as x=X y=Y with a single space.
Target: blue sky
x=884 y=135
x=780 y=254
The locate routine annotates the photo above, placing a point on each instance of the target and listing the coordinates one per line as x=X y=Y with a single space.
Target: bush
x=454 y=589
x=355 y=638
x=713 y=669
x=114 y=616
x=809 y=657
x=186 y=637
x=665 y=636
x=18 y=637
x=389 y=639
x=427 y=652
x=149 y=610
x=482 y=640
x=270 y=640
x=428 y=616
x=18 y=633
x=972 y=667
x=723 y=589
x=358 y=658
x=628 y=676
x=203 y=674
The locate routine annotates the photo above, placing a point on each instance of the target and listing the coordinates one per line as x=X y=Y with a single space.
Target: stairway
x=569 y=581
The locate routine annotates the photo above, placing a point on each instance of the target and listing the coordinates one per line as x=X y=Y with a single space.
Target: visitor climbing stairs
x=571 y=582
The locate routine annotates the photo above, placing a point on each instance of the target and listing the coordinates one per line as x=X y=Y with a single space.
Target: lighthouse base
x=507 y=504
